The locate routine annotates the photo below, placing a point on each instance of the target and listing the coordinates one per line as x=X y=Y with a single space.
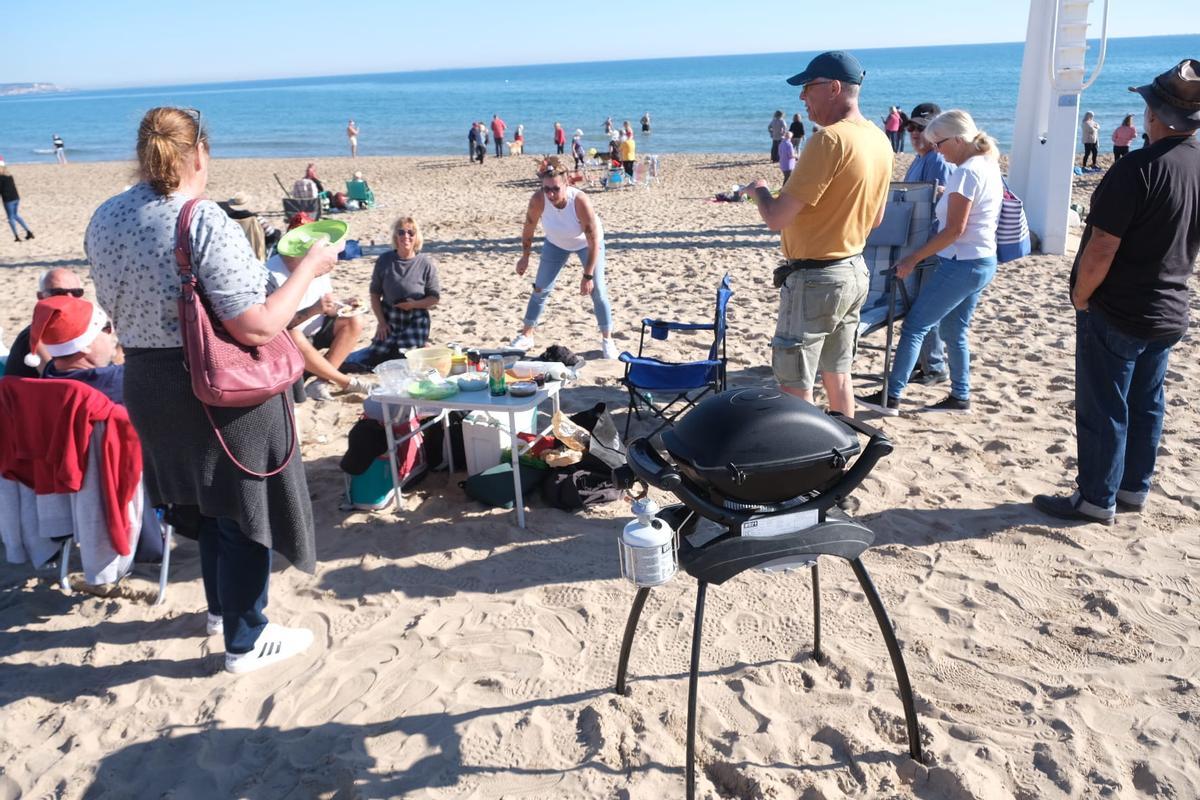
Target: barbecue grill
x=768 y=469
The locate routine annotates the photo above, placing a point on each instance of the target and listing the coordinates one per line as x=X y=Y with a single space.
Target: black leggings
x=1119 y=151
x=1092 y=149
x=560 y=149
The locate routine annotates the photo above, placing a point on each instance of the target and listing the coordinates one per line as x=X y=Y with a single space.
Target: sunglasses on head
x=64 y=292
x=196 y=116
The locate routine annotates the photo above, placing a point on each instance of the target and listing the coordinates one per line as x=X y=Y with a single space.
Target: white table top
x=475 y=401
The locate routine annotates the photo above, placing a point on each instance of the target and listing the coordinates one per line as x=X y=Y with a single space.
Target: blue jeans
x=947 y=301
x=10 y=210
x=1119 y=408
x=236 y=573
x=933 y=349
x=551 y=262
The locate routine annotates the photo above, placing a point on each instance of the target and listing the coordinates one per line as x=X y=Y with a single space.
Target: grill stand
x=826 y=538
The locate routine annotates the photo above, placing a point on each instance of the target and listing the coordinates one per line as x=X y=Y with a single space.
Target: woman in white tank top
x=569 y=225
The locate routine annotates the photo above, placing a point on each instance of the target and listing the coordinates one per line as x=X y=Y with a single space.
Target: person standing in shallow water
x=60 y=149
x=775 y=128
x=352 y=135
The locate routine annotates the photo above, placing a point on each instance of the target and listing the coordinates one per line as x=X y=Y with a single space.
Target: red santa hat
x=64 y=325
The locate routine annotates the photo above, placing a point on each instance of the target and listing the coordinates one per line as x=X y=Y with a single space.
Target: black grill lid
x=759 y=430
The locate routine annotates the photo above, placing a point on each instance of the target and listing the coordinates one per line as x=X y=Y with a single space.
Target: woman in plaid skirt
x=404 y=286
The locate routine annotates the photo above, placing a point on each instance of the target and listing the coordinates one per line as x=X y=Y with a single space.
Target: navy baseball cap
x=835 y=65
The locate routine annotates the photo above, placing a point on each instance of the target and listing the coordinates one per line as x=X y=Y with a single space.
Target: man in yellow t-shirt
x=832 y=200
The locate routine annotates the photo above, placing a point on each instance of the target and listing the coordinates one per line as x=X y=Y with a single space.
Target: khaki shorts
x=817 y=330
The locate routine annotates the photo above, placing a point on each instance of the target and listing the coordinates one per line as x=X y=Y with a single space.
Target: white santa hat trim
x=51 y=316
x=84 y=340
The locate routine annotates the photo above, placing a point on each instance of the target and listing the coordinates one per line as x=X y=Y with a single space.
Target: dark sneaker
x=951 y=405
x=889 y=407
x=1073 y=508
x=28 y=234
x=928 y=378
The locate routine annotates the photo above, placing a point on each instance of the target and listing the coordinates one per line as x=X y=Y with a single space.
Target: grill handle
x=878 y=446
x=649 y=465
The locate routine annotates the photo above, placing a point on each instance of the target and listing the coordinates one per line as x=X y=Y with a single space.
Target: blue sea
x=707 y=104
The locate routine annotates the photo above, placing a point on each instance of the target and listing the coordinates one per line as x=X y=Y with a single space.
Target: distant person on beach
x=560 y=137
x=787 y=155
x=518 y=143
x=646 y=122
x=608 y=126
x=577 y=149
x=627 y=129
x=832 y=200
x=481 y=141
x=310 y=173
x=352 y=135
x=1122 y=137
x=1129 y=287
x=569 y=226
x=628 y=153
x=967 y=214
x=928 y=167
x=404 y=287
x=239 y=518
x=891 y=126
x=797 y=129
x=1090 y=131
x=472 y=138
x=55 y=282
x=776 y=127
x=60 y=149
x=12 y=200
x=498 y=129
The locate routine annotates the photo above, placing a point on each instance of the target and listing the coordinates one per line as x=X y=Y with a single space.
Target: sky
x=79 y=44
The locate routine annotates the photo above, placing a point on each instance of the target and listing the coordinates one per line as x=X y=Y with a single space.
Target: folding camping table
x=469 y=401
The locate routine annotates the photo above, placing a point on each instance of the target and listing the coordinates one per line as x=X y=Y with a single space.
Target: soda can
x=496 y=385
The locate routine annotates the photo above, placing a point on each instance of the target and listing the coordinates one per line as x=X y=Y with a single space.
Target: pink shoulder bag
x=224 y=372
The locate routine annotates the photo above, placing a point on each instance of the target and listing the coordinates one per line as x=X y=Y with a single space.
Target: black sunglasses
x=195 y=114
x=64 y=292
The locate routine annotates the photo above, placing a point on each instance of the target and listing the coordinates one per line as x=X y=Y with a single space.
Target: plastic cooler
x=485 y=436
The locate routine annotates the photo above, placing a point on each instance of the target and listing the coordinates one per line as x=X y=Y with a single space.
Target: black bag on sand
x=576 y=488
x=435 y=443
x=606 y=450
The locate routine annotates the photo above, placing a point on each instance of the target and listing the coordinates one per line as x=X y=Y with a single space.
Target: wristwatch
x=587 y=277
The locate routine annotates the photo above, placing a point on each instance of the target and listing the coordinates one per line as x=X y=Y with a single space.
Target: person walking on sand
x=891 y=126
x=188 y=447
x=832 y=200
x=1129 y=287
x=352 y=135
x=797 y=129
x=1090 y=131
x=8 y=193
x=498 y=129
x=570 y=226
x=560 y=137
x=60 y=149
x=776 y=127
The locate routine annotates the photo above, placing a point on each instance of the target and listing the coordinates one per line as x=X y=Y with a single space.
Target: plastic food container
x=393 y=375
x=523 y=389
x=473 y=382
x=436 y=358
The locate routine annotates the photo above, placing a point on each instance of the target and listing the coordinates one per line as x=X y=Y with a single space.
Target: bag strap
x=291 y=417
x=183 y=258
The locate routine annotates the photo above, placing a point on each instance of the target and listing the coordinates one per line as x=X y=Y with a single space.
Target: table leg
x=391 y=452
x=518 y=497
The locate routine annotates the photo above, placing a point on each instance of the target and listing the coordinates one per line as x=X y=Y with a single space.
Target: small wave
x=43 y=151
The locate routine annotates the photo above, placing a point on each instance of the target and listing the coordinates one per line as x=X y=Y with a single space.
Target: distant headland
x=28 y=88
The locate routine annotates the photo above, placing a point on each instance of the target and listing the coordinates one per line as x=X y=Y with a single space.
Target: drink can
x=496 y=375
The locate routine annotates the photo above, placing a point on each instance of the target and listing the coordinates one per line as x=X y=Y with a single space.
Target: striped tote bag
x=1012 y=231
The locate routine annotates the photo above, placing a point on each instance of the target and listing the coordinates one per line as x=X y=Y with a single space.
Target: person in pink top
x=560 y=137
x=891 y=126
x=1122 y=136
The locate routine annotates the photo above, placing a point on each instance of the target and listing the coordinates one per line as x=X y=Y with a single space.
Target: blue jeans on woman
x=1119 y=409
x=551 y=262
x=236 y=574
x=10 y=210
x=947 y=301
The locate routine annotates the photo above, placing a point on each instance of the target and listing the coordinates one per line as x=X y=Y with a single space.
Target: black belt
x=784 y=270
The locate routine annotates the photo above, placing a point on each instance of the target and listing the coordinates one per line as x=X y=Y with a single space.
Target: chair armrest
x=669 y=325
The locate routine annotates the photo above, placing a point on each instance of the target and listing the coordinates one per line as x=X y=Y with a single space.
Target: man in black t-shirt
x=1129 y=289
x=54 y=282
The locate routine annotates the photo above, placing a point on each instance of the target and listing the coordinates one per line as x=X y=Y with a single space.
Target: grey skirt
x=185 y=464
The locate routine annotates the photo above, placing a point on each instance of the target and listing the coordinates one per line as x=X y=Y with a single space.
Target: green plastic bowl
x=297 y=241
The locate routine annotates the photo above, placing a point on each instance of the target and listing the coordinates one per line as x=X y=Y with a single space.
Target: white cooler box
x=485 y=435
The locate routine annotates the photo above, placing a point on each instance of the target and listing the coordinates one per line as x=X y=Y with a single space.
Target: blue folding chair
x=684 y=382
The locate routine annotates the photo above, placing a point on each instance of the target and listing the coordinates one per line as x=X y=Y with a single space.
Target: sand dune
x=459 y=656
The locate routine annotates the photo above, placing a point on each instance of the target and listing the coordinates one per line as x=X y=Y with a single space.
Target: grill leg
x=693 y=679
x=889 y=636
x=635 y=613
x=816 y=590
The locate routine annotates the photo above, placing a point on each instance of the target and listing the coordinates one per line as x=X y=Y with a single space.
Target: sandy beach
x=458 y=656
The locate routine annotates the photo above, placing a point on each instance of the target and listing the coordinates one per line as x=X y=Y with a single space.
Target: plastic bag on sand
x=573 y=436
x=551 y=369
x=562 y=457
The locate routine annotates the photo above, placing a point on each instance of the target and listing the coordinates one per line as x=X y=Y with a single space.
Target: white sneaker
x=608 y=348
x=318 y=390
x=274 y=644
x=215 y=625
x=522 y=342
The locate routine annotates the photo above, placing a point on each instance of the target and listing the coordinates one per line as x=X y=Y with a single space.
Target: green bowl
x=297 y=241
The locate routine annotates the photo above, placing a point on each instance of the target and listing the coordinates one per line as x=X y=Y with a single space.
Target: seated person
x=316 y=326
x=55 y=282
x=78 y=338
x=237 y=208
x=404 y=286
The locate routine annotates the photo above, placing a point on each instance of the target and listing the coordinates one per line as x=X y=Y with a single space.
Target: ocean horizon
x=713 y=104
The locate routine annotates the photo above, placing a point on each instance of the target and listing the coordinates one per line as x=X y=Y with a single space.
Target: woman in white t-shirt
x=967 y=214
x=570 y=226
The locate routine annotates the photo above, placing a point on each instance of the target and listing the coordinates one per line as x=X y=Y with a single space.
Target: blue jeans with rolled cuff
x=550 y=264
x=1119 y=409
x=236 y=572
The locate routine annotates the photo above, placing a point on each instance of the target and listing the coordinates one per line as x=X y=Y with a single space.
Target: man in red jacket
x=498 y=129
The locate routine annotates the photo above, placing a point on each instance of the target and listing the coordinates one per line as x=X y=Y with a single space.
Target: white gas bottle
x=648 y=549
